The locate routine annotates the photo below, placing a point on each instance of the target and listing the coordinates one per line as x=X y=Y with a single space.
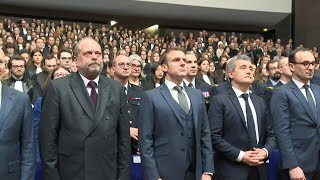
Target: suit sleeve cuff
x=266 y=152
x=240 y=156
x=208 y=173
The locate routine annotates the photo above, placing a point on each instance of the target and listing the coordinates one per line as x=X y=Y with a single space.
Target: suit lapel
x=297 y=92
x=103 y=97
x=235 y=102
x=171 y=102
x=194 y=105
x=7 y=101
x=82 y=95
x=256 y=105
x=316 y=93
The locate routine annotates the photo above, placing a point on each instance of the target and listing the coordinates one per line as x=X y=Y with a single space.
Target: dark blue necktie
x=93 y=94
x=250 y=123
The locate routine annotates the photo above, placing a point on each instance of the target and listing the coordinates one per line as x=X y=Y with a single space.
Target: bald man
x=17 y=143
x=84 y=127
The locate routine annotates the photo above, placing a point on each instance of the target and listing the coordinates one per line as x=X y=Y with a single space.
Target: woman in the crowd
x=212 y=71
x=136 y=69
x=203 y=71
x=261 y=74
x=154 y=78
x=155 y=58
x=34 y=66
x=220 y=50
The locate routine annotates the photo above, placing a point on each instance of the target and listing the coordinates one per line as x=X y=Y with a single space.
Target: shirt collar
x=273 y=82
x=239 y=92
x=299 y=84
x=171 y=84
x=187 y=82
x=86 y=81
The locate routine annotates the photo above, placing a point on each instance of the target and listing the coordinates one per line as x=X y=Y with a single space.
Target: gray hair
x=76 y=49
x=231 y=65
x=135 y=57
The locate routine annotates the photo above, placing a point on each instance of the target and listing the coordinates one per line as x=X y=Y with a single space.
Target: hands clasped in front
x=254 y=157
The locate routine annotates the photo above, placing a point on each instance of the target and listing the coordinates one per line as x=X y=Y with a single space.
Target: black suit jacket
x=207 y=91
x=78 y=141
x=230 y=135
x=134 y=94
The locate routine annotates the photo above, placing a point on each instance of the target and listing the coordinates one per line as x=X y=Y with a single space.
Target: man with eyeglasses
x=17 y=141
x=122 y=67
x=84 y=128
x=295 y=108
x=274 y=76
x=17 y=67
x=65 y=59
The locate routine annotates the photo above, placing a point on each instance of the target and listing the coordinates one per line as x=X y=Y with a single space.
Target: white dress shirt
x=18 y=86
x=174 y=92
x=187 y=82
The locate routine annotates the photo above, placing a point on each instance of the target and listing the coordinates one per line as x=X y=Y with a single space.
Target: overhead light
x=265 y=29
x=113 y=22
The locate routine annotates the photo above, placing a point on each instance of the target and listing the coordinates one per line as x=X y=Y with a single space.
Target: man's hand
x=260 y=153
x=296 y=174
x=205 y=177
x=134 y=133
x=251 y=158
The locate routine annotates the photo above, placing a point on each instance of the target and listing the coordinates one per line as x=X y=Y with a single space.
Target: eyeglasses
x=135 y=66
x=273 y=68
x=66 y=58
x=122 y=65
x=16 y=66
x=307 y=63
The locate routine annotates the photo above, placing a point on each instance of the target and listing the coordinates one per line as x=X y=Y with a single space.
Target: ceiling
x=139 y=15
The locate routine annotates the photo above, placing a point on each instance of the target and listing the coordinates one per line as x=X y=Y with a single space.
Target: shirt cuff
x=240 y=156
x=208 y=173
x=266 y=152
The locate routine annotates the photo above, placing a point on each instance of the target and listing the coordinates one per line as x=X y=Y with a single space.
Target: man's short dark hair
x=17 y=58
x=163 y=58
x=48 y=57
x=292 y=55
x=270 y=62
x=64 y=50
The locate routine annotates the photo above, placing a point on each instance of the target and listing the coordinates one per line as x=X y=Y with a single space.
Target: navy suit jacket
x=17 y=143
x=296 y=127
x=230 y=135
x=162 y=140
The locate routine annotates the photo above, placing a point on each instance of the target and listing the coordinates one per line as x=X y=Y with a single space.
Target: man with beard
x=17 y=67
x=84 y=128
x=271 y=83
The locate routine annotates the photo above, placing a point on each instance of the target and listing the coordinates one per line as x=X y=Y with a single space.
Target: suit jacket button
x=182 y=149
x=128 y=111
x=182 y=134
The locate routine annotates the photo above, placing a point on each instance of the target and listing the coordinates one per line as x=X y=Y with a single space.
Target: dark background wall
x=306 y=24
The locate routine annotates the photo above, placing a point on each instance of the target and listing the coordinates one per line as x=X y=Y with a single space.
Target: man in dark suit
x=263 y=90
x=49 y=63
x=17 y=143
x=84 y=132
x=190 y=80
x=122 y=69
x=241 y=127
x=295 y=108
x=174 y=135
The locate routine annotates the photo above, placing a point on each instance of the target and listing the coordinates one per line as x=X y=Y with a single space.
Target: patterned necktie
x=250 y=122
x=310 y=100
x=93 y=94
x=182 y=99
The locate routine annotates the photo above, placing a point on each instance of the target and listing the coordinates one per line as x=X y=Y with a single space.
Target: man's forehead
x=305 y=55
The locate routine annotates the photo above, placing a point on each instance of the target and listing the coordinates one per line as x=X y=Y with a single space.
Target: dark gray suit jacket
x=78 y=142
x=17 y=143
x=230 y=135
x=296 y=127
x=162 y=139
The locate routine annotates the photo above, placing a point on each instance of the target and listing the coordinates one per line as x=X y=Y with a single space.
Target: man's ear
x=164 y=67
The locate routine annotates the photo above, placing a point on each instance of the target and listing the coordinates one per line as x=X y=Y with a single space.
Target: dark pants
x=190 y=173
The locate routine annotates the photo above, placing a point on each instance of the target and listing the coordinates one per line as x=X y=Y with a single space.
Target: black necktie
x=190 y=85
x=250 y=122
x=310 y=100
x=93 y=94
x=182 y=99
